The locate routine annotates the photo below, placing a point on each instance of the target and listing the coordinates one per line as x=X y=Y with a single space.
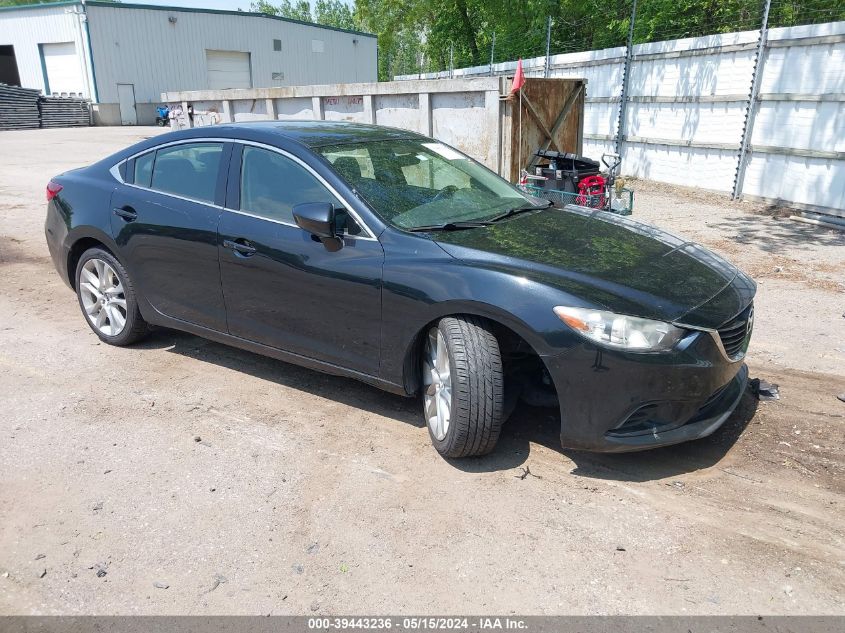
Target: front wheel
x=463 y=387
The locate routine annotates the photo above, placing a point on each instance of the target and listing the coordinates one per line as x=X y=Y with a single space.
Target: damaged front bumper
x=616 y=401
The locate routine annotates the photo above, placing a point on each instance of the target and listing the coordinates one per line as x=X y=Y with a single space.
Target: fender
x=80 y=211
x=82 y=235
x=412 y=301
x=428 y=318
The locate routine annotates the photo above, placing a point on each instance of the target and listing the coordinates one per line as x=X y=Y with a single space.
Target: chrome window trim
x=176 y=195
x=115 y=170
x=368 y=235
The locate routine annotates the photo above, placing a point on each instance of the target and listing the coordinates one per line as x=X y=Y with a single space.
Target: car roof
x=312 y=133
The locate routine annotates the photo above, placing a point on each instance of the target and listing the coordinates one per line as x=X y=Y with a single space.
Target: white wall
x=818 y=69
x=26 y=29
x=687 y=104
x=706 y=124
x=142 y=47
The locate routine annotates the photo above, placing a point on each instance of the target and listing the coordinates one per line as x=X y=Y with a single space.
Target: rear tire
x=463 y=387
x=107 y=298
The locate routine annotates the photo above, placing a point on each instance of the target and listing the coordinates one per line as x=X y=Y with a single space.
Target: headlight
x=620 y=331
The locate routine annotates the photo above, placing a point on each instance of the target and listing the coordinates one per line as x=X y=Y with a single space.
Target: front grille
x=735 y=332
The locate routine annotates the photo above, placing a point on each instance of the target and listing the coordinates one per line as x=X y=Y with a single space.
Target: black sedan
x=392 y=258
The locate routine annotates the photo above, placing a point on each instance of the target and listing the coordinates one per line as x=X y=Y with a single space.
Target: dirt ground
x=185 y=477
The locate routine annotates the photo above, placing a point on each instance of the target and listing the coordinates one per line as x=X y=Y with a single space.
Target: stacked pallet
x=18 y=108
x=64 y=112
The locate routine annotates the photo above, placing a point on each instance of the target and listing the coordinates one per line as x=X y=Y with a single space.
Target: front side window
x=412 y=183
x=190 y=170
x=273 y=184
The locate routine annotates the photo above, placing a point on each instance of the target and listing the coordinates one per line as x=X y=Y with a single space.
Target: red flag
x=518 y=78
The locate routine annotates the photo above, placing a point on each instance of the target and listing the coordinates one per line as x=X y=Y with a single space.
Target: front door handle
x=127 y=213
x=240 y=246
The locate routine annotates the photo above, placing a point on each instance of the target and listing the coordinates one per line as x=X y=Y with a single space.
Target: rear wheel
x=463 y=387
x=107 y=298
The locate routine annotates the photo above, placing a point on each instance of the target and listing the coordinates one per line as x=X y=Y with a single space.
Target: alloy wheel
x=437 y=382
x=102 y=297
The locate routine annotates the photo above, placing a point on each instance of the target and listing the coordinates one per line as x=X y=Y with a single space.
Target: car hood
x=605 y=259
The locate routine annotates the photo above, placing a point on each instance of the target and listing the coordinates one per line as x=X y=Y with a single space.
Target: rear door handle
x=240 y=246
x=127 y=213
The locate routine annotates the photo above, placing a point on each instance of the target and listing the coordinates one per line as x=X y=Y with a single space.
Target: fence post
x=451 y=60
x=626 y=75
x=751 y=109
x=548 y=67
x=492 y=52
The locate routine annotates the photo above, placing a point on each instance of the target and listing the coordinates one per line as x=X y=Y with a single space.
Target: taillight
x=53 y=188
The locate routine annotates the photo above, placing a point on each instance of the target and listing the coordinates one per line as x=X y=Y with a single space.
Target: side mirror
x=317 y=218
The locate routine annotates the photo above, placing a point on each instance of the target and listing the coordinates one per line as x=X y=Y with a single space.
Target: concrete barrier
x=474 y=115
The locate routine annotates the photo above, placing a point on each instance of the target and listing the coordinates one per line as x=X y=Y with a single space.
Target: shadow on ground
x=527 y=425
x=344 y=390
x=774 y=235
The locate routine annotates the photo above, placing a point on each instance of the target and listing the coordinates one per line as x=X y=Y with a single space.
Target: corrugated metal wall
x=145 y=48
x=26 y=29
x=687 y=104
x=784 y=119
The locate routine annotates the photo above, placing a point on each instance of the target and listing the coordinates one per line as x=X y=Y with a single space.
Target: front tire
x=107 y=298
x=463 y=387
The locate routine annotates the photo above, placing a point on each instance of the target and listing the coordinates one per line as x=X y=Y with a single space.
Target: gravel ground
x=185 y=477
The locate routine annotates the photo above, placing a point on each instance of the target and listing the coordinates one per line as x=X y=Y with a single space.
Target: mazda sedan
x=389 y=257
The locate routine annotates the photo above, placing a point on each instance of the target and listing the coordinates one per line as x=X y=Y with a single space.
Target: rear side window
x=272 y=184
x=188 y=170
x=144 y=169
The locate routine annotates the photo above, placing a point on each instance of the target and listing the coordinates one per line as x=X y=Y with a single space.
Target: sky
x=231 y=5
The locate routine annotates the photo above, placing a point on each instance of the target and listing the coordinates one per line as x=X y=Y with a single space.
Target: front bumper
x=617 y=401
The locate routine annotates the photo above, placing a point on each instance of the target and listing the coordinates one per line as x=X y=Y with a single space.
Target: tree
x=334 y=13
x=298 y=10
x=326 y=12
x=417 y=35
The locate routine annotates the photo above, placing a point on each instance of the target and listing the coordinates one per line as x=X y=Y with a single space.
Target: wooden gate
x=549 y=114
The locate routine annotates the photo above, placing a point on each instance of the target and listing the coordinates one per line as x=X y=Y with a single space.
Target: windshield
x=418 y=183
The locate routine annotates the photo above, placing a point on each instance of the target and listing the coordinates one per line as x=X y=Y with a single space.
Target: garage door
x=228 y=69
x=63 y=68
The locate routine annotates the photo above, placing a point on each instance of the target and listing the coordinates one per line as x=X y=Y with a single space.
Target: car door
x=283 y=287
x=164 y=218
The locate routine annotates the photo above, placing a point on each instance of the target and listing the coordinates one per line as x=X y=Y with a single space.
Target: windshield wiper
x=512 y=212
x=457 y=226
x=448 y=226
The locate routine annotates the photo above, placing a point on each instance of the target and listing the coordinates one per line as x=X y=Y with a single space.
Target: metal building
x=123 y=56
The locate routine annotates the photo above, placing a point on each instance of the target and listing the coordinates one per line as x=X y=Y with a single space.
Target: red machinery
x=592 y=192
